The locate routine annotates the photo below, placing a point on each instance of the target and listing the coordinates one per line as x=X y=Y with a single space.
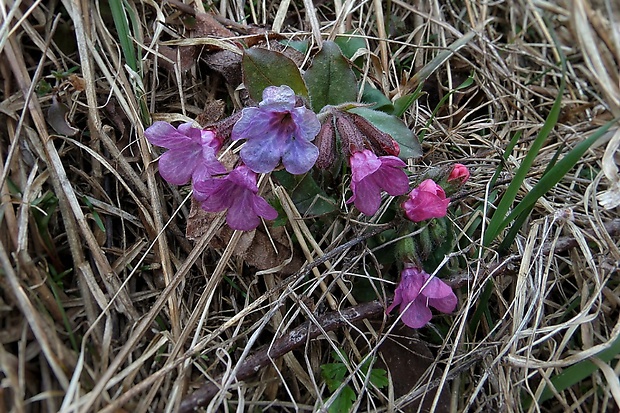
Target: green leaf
x=404 y=102
x=467 y=83
x=374 y=95
x=409 y=145
x=344 y=401
x=119 y=15
x=330 y=79
x=262 y=68
x=499 y=220
x=333 y=374
x=379 y=378
x=577 y=372
x=301 y=46
x=440 y=59
x=555 y=174
x=309 y=198
x=350 y=44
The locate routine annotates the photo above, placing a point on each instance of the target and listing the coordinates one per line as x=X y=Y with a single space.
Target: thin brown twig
x=294 y=339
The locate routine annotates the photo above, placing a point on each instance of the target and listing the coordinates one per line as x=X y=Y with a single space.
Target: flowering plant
x=310 y=134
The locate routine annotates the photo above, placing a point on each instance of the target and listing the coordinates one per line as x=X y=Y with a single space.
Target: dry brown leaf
x=58 y=120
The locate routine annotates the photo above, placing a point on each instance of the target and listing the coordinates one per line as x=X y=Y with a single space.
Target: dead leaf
x=213 y=112
x=58 y=120
x=256 y=248
x=206 y=25
x=182 y=57
x=226 y=63
x=407 y=358
x=77 y=82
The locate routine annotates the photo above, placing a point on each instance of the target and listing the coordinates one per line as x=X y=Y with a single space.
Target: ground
x=118 y=293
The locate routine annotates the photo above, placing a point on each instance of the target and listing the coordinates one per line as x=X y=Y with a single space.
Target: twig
x=294 y=339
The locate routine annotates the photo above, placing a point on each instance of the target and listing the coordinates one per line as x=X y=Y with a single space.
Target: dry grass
x=106 y=306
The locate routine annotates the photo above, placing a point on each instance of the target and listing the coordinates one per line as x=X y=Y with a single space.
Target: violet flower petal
x=261 y=157
x=263 y=209
x=371 y=175
x=392 y=180
x=176 y=166
x=253 y=124
x=308 y=125
x=421 y=290
x=167 y=136
x=363 y=164
x=241 y=214
x=417 y=315
x=300 y=156
x=446 y=304
x=278 y=131
x=278 y=98
x=426 y=201
x=237 y=192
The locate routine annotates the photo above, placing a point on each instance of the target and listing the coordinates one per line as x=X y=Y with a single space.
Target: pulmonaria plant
x=282 y=132
x=416 y=292
x=237 y=193
x=372 y=174
x=278 y=130
x=191 y=152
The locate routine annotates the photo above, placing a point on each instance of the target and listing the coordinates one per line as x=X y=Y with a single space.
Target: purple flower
x=237 y=193
x=416 y=288
x=191 y=152
x=426 y=201
x=371 y=174
x=277 y=130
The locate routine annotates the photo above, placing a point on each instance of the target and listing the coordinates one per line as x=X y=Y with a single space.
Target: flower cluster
x=278 y=131
x=283 y=133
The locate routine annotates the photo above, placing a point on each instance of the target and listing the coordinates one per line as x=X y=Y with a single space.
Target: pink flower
x=237 y=192
x=278 y=130
x=191 y=152
x=416 y=292
x=460 y=173
x=371 y=175
x=426 y=201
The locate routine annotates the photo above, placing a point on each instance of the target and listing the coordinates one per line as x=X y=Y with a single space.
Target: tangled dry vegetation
x=106 y=305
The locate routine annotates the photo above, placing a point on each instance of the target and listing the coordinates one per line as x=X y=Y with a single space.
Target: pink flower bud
x=460 y=173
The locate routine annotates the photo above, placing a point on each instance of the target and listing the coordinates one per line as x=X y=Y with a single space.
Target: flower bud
x=438 y=229
x=380 y=142
x=350 y=136
x=406 y=250
x=453 y=181
x=223 y=128
x=459 y=173
x=425 y=242
x=426 y=201
x=326 y=142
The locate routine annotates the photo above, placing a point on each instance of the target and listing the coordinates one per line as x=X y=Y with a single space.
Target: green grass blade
x=576 y=373
x=124 y=34
x=467 y=83
x=556 y=173
x=498 y=220
x=520 y=220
